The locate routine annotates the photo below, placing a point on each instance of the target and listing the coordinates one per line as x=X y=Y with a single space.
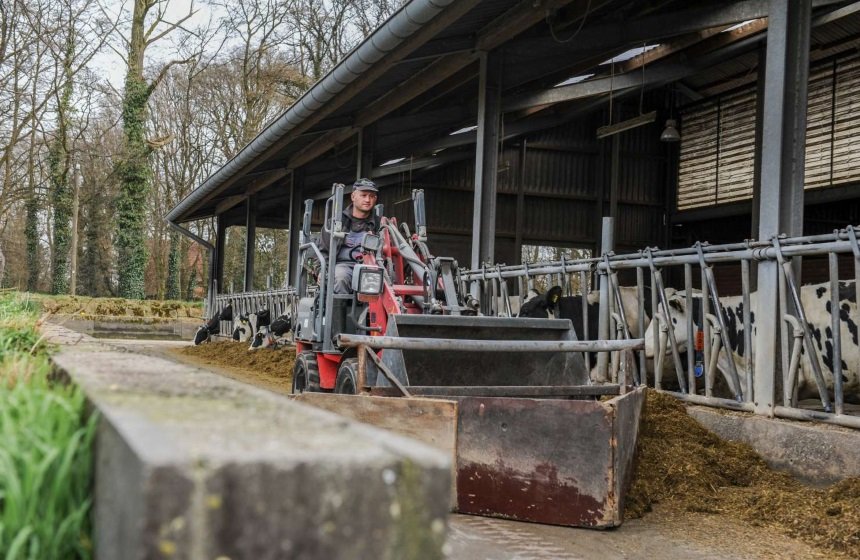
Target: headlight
x=370 y=282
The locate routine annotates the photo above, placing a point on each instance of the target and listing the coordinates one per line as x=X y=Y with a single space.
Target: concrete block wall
x=193 y=465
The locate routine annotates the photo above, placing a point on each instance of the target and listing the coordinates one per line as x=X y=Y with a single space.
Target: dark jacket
x=351 y=224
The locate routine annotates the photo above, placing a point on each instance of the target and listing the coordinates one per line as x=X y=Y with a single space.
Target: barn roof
x=414 y=82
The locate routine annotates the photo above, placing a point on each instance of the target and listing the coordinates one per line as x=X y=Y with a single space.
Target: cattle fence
x=719 y=369
x=278 y=302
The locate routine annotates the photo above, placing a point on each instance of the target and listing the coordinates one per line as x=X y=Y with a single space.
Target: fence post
x=606 y=245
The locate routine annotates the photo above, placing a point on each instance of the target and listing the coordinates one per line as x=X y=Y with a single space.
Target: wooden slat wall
x=718 y=139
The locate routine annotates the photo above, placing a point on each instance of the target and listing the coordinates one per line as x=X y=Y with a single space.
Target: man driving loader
x=357 y=220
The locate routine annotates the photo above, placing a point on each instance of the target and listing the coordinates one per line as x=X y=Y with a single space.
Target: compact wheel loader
x=510 y=398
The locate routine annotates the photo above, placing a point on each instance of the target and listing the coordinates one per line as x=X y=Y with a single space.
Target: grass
x=45 y=447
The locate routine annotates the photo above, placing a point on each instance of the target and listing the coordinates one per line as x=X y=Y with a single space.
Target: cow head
x=242 y=329
x=202 y=335
x=543 y=305
x=677 y=317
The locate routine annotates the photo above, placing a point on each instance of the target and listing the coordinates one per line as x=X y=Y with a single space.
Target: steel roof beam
x=511 y=23
x=671 y=24
x=260 y=182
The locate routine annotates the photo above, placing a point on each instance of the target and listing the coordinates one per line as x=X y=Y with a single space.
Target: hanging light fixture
x=670 y=133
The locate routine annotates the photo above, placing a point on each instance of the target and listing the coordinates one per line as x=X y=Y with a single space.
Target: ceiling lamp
x=670 y=133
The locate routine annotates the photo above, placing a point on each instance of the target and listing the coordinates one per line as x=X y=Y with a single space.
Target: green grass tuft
x=45 y=447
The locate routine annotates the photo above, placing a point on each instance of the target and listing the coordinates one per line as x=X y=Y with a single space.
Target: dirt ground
x=699 y=486
x=266 y=367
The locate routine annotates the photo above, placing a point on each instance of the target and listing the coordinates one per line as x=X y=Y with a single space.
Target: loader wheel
x=345 y=383
x=305 y=369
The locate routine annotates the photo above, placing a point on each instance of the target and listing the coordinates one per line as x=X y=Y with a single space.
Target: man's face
x=364 y=201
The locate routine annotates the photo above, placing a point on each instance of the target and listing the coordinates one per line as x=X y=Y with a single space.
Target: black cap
x=365 y=185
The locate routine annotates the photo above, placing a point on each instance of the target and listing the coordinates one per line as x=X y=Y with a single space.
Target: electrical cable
x=575 y=33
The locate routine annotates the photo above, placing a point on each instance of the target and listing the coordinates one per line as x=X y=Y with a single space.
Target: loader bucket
x=557 y=460
x=481 y=367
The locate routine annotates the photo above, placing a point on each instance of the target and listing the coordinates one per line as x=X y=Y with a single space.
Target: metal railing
x=278 y=302
x=696 y=382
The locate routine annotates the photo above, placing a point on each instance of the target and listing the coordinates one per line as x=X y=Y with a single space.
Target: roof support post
x=486 y=158
x=782 y=171
x=366 y=143
x=250 y=241
x=759 y=138
x=220 y=245
x=296 y=207
x=521 y=204
x=614 y=176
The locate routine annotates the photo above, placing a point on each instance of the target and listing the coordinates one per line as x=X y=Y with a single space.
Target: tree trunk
x=59 y=163
x=31 y=231
x=173 y=287
x=134 y=172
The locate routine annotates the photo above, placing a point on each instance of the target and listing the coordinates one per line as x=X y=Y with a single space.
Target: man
x=357 y=220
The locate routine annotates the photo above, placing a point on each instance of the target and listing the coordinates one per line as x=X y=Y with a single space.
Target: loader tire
x=347 y=373
x=306 y=373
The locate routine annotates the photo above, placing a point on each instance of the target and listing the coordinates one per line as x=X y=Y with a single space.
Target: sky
x=111 y=65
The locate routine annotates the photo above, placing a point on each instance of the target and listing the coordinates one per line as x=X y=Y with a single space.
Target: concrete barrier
x=193 y=465
x=817 y=454
x=130 y=327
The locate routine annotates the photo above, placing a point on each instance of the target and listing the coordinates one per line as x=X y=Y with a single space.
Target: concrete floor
x=663 y=534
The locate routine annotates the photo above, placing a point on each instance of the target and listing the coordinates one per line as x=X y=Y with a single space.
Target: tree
x=72 y=44
x=134 y=172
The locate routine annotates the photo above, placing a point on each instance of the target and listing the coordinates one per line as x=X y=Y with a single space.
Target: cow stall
x=705 y=347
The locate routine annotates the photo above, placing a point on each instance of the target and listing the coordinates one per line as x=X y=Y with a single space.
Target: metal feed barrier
x=278 y=302
x=493 y=286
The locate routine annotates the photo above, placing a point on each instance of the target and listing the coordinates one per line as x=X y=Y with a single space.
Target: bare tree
x=73 y=39
x=148 y=26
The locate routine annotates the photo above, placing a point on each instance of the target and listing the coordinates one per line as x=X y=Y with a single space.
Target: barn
x=702 y=128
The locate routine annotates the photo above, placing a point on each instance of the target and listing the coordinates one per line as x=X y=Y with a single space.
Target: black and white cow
x=212 y=326
x=816 y=303
x=242 y=330
x=268 y=332
x=553 y=304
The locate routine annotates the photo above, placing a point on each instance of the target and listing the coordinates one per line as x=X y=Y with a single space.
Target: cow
x=269 y=333
x=213 y=325
x=260 y=328
x=817 y=305
x=242 y=331
x=553 y=304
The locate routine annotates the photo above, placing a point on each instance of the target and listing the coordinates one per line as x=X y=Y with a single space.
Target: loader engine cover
x=471 y=368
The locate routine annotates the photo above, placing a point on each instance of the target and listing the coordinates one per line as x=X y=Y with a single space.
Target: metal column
x=607 y=242
x=296 y=207
x=220 y=243
x=782 y=170
x=614 y=176
x=288 y=273
x=521 y=205
x=364 y=159
x=486 y=159
x=250 y=241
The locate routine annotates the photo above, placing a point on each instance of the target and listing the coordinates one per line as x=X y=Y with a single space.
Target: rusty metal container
x=561 y=462
x=547 y=460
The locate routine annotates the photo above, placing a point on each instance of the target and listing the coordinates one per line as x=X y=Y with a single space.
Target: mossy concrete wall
x=122 y=326
x=193 y=465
